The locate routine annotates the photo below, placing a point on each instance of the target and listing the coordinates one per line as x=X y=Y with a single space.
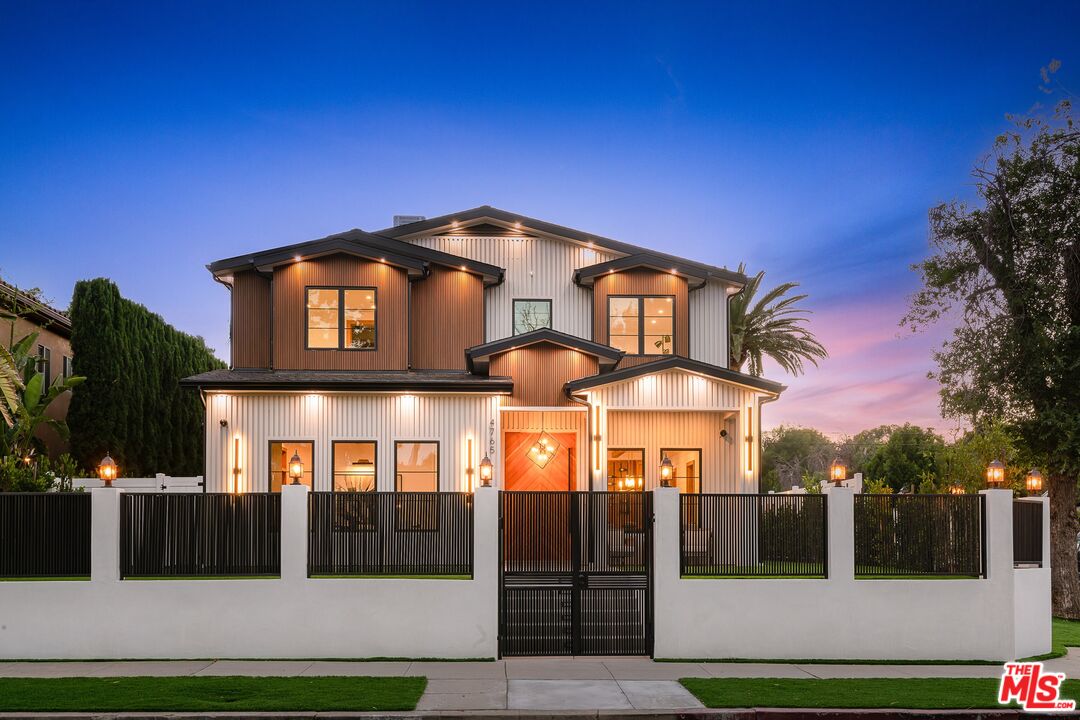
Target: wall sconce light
x=485 y=471
x=296 y=468
x=236 y=465
x=995 y=473
x=749 y=439
x=468 y=464
x=1033 y=481
x=106 y=470
x=666 y=471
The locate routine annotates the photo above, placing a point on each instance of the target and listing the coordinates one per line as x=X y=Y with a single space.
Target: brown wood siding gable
x=446 y=312
x=289 y=302
x=250 y=322
x=540 y=371
x=642 y=282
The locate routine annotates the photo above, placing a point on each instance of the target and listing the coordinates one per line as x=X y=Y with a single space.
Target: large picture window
x=686 y=469
x=281 y=453
x=354 y=466
x=531 y=315
x=340 y=318
x=416 y=466
x=642 y=325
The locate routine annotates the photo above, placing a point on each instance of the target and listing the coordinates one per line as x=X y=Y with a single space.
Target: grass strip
x=199 y=694
x=882 y=693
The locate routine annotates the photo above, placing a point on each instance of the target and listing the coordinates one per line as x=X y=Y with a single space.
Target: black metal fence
x=1027 y=533
x=44 y=535
x=741 y=535
x=390 y=533
x=920 y=535
x=200 y=534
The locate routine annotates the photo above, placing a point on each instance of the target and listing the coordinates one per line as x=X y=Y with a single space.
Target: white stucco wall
x=840 y=617
x=290 y=617
x=1032 y=598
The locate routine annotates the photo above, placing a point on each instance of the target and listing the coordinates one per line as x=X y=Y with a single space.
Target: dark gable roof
x=377 y=380
x=675 y=362
x=476 y=358
x=411 y=257
x=695 y=277
x=486 y=213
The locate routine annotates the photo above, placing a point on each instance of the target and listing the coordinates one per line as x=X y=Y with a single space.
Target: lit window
x=354 y=466
x=416 y=466
x=281 y=454
x=641 y=325
x=626 y=470
x=531 y=315
x=341 y=318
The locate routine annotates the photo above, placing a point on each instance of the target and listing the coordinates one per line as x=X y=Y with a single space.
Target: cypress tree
x=131 y=404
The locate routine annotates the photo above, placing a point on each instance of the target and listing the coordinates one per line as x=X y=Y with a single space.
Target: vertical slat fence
x=44 y=535
x=200 y=534
x=1027 y=533
x=394 y=533
x=743 y=535
x=920 y=535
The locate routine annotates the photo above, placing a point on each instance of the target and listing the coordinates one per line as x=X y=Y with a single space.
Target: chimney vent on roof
x=400 y=220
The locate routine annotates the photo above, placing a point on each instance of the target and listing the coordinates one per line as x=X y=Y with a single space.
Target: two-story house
x=400 y=359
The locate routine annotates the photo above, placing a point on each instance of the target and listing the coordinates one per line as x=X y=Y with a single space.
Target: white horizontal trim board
x=1002 y=617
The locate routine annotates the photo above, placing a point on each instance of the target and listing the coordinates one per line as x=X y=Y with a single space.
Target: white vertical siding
x=536 y=268
x=259 y=419
x=679 y=409
x=708 y=324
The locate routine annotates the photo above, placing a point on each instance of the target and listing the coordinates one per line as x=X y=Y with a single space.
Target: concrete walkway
x=525 y=683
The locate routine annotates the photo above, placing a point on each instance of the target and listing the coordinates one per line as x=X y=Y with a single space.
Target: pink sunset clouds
x=875 y=373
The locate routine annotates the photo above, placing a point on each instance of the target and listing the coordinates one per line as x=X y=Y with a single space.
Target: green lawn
x=199 y=694
x=907 y=693
x=1066 y=633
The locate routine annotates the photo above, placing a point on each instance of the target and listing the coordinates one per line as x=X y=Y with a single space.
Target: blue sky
x=140 y=141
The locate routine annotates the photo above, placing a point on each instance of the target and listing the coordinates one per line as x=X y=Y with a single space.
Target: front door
x=575 y=573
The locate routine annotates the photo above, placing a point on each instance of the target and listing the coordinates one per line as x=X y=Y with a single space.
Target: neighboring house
x=399 y=359
x=23 y=315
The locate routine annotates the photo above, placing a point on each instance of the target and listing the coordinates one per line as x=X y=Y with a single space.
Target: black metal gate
x=575 y=573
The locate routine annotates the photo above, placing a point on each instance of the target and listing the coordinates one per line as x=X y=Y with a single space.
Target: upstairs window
x=340 y=318
x=531 y=315
x=642 y=325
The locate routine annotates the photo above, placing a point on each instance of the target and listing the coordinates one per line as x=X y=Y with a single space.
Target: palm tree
x=773 y=326
x=11 y=387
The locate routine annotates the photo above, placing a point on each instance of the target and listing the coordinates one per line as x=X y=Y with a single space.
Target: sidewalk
x=525 y=683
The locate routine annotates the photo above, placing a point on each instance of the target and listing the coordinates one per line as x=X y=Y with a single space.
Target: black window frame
x=426 y=505
x=341 y=317
x=45 y=367
x=286 y=480
x=513 y=313
x=333 y=463
x=641 y=322
x=607 y=471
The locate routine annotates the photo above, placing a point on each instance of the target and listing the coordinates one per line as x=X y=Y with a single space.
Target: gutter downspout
x=760 y=434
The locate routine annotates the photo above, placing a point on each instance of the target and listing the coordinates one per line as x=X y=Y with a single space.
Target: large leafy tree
x=773 y=326
x=788 y=454
x=1007 y=269
x=908 y=457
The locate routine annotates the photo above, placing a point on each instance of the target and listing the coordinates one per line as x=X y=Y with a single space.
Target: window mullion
x=641 y=325
x=341 y=319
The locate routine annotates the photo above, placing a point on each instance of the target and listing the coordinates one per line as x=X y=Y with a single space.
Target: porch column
x=294 y=532
x=840 y=502
x=105 y=534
